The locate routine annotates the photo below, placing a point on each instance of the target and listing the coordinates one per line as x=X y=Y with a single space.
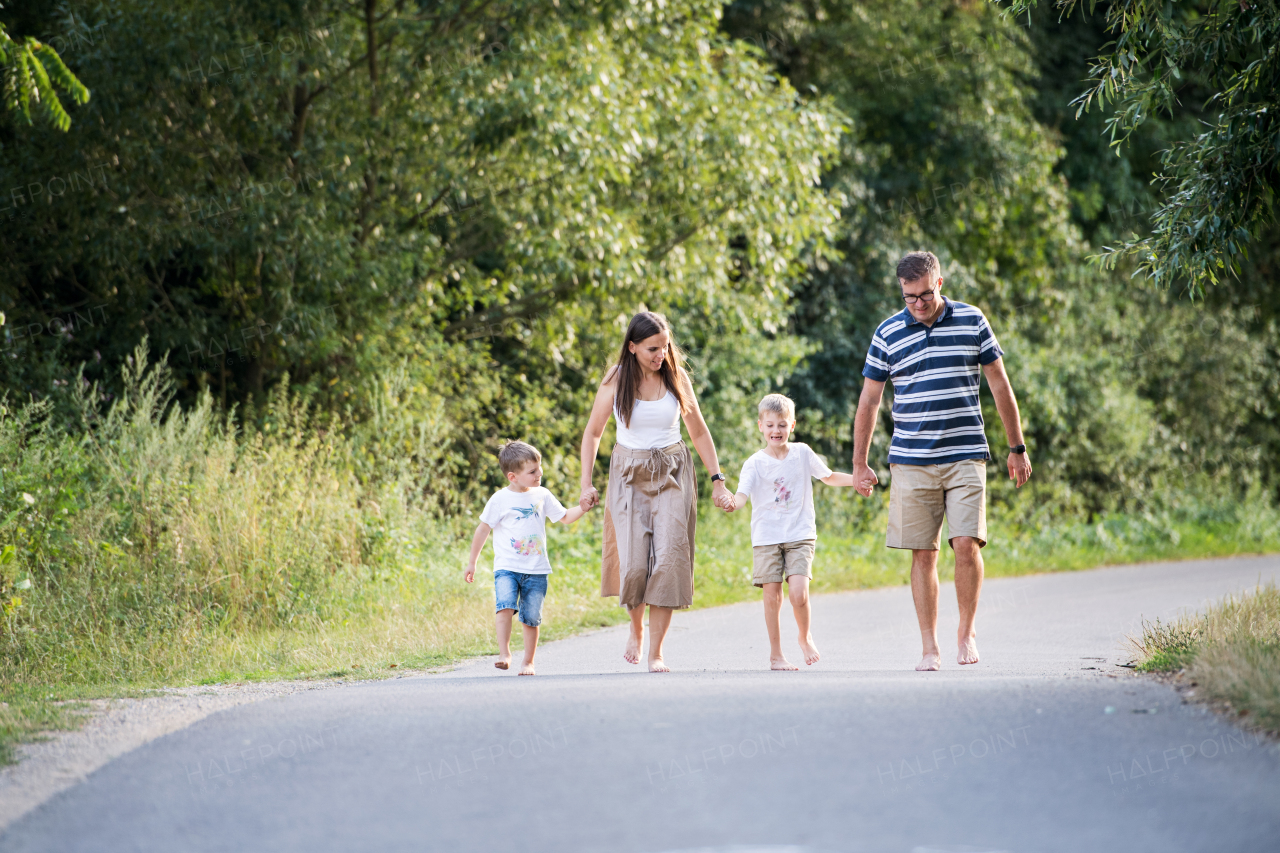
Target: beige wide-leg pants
x=651 y=511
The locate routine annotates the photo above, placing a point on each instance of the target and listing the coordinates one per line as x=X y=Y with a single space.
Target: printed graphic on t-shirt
x=530 y=511
x=781 y=495
x=529 y=546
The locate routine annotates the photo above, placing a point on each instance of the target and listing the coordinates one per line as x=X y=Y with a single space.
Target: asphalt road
x=1046 y=745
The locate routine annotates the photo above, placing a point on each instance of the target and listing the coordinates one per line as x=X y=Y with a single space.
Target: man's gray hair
x=780 y=404
x=514 y=455
x=917 y=265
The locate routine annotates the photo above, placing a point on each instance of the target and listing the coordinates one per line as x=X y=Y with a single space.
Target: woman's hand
x=720 y=497
x=589 y=498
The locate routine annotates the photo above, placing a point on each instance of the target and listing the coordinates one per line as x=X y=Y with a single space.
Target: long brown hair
x=628 y=371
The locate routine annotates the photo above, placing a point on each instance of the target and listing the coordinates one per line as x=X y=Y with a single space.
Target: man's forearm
x=1007 y=406
x=864 y=422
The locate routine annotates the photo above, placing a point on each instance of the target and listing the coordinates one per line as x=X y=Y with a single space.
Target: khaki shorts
x=920 y=495
x=776 y=563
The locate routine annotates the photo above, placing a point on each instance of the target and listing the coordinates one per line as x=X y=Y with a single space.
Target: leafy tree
x=467 y=196
x=1219 y=185
x=33 y=74
x=944 y=153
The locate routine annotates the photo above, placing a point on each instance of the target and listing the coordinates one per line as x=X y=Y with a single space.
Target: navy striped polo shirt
x=936 y=372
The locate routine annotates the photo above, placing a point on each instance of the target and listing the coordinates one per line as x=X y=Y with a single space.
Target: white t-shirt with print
x=519 y=522
x=781 y=492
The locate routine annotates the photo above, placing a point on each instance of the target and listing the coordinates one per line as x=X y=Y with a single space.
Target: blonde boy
x=517 y=516
x=784 y=529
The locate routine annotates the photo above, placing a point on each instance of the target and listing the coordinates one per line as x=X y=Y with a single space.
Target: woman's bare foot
x=781 y=664
x=656 y=665
x=527 y=669
x=632 y=654
x=931 y=662
x=968 y=651
x=811 y=655
x=503 y=661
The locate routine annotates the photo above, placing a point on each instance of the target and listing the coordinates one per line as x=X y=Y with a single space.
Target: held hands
x=589 y=498
x=864 y=480
x=720 y=497
x=1019 y=468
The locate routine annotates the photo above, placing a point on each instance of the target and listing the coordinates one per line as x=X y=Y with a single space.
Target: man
x=935 y=351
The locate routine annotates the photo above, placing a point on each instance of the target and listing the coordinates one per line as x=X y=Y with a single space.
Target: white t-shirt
x=781 y=493
x=519 y=522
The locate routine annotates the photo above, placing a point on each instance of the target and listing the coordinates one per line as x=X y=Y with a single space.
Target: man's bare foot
x=931 y=662
x=656 y=665
x=527 y=669
x=968 y=651
x=811 y=655
x=632 y=654
x=503 y=661
x=781 y=664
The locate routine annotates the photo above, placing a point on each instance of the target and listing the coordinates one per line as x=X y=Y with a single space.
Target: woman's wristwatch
x=719 y=477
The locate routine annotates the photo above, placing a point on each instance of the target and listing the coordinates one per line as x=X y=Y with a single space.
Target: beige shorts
x=920 y=495
x=776 y=563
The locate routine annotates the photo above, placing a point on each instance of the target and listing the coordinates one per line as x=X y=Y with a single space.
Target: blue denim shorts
x=522 y=593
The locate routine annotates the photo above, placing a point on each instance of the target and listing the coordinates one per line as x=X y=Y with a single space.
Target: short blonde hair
x=779 y=403
x=514 y=455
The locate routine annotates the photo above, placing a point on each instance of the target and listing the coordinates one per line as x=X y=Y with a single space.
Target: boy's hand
x=471 y=574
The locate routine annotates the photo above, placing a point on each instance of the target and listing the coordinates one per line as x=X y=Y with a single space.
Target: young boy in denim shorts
x=517 y=517
x=784 y=530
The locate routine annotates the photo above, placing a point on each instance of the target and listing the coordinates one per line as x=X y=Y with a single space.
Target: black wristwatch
x=1021 y=448
x=715 y=477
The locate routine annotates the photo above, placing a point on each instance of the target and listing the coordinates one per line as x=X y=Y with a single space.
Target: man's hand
x=1019 y=468
x=864 y=480
x=471 y=574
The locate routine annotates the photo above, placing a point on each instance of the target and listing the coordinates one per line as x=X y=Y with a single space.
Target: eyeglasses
x=927 y=296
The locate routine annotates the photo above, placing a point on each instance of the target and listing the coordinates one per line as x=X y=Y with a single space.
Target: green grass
x=154 y=546
x=426 y=616
x=1229 y=654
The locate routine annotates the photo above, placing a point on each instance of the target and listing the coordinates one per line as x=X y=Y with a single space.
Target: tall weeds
x=1231 y=652
x=154 y=524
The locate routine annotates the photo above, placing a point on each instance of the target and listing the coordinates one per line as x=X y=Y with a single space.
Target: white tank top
x=654 y=423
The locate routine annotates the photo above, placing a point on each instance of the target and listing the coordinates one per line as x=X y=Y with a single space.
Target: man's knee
x=924 y=560
x=968 y=545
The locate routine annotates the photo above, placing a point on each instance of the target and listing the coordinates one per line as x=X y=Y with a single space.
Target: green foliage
x=474 y=204
x=1220 y=185
x=33 y=74
x=156 y=521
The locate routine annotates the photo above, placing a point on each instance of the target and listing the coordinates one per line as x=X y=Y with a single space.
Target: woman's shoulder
x=610 y=377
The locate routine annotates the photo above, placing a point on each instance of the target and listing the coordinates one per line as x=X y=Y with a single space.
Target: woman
x=651 y=506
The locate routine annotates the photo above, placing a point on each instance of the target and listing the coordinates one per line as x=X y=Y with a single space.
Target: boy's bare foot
x=781 y=664
x=931 y=662
x=632 y=654
x=811 y=655
x=656 y=665
x=527 y=669
x=968 y=651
